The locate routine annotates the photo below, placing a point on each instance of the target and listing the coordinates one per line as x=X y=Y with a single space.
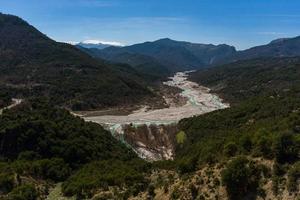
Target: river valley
x=152 y=133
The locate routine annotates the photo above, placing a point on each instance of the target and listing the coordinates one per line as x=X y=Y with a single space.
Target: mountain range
x=178 y=56
x=32 y=65
x=247 y=151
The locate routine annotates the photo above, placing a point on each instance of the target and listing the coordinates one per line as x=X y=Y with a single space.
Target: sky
x=241 y=23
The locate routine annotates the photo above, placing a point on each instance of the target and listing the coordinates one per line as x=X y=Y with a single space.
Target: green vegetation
x=241 y=80
x=51 y=132
x=180 y=137
x=240 y=177
x=32 y=65
x=5 y=99
x=263 y=122
x=24 y=192
x=41 y=142
x=103 y=174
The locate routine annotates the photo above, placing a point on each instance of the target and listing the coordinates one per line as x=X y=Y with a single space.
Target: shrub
x=285 y=148
x=239 y=178
x=246 y=143
x=24 y=192
x=230 y=149
x=101 y=174
x=180 y=137
x=6 y=182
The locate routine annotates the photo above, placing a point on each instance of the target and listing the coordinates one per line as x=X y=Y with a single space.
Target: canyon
x=152 y=133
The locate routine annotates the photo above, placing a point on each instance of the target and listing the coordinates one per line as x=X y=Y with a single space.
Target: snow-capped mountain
x=97 y=44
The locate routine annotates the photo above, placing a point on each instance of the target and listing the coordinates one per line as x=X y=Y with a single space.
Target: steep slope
x=241 y=80
x=31 y=64
x=42 y=145
x=146 y=65
x=175 y=55
x=178 y=56
x=284 y=47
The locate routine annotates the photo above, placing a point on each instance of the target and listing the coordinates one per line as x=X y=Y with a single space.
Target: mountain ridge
x=182 y=55
x=34 y=65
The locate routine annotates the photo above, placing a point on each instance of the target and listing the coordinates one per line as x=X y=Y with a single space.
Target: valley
x=156 y=120
x=199 y=100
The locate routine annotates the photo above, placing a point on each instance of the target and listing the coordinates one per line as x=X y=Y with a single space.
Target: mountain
x=174 y=55
x=283 y=47
x=95 y=44
x=32 y=64
x=144 y=64
x=178 y=56
x=246 y=79
x=90 y=45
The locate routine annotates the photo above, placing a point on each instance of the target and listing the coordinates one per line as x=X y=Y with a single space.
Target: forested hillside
x=34 y=65
x=170 y=54
x=42 y=145
x=241 y=80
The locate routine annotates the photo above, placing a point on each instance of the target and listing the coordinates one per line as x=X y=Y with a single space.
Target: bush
x=239 y=178
x=246 y=143
x=187 y=165
x=6 y=182
x=285 y=148
x=230 y=149
x=102 y=174
x=24 y=192
x=263 y=147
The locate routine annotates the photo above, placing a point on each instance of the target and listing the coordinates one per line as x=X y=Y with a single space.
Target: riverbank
x=198 y=99
x=15 y=102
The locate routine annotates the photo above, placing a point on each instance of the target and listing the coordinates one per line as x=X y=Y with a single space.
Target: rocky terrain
x=150 y=132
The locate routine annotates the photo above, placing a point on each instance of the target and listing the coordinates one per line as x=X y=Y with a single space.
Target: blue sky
x=242 y=23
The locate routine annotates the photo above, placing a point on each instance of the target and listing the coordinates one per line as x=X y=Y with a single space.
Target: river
x=199 y=101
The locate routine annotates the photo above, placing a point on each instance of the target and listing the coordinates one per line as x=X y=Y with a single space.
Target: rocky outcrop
x=151 y=142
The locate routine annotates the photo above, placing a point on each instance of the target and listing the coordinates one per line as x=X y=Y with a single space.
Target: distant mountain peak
x=97 y=44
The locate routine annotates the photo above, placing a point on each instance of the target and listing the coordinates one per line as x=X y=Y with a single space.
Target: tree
x=238 y=178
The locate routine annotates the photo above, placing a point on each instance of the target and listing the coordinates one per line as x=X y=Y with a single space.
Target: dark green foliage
x=256 y=127
x=53 y=169
x=230 y=149
x=5 y=98
x=251 y=78
x=24 y=192
x=286 y=148
x=33 y=65
x=239 y=177
x=48 y=143
x=102 y=174
x=6 y=182
x=50 y=132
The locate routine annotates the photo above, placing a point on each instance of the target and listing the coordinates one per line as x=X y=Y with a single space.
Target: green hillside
x=34 y=65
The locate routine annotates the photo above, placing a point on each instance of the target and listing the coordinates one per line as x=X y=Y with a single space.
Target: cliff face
x=152 y=142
